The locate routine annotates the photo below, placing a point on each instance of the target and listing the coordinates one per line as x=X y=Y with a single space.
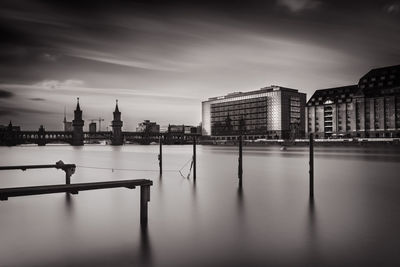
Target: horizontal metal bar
x=5 y=193
x=25 y=167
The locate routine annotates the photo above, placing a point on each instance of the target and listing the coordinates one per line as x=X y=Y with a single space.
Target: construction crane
x=99 y=120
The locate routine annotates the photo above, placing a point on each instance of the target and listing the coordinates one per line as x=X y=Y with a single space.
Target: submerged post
x=144 y=199
x=311 y=171
x=194 y=158
x=160 y=156
x=68 y=174
x=240 y=167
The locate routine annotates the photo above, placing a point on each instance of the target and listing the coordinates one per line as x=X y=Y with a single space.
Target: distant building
x=183 y=129
x=10 y=127
x=369 y=109
x=67 y=124
x=92 y=127
x=272 y=112
x=148 y=126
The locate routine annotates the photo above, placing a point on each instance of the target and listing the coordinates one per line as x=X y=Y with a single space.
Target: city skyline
x=162 y=59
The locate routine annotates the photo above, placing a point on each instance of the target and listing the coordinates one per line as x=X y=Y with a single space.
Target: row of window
x=382 y=78
x=240 y=102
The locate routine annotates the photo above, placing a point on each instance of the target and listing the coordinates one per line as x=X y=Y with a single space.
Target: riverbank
x=305 y=142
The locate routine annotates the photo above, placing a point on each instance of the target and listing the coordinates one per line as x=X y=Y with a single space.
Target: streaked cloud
x=392 y=8
x=299 y=5
x=55 y=84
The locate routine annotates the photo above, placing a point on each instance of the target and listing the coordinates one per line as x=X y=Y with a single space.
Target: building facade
x=272 y=113
x=148 y=126
x=369 y=109
x=92 y=127
x=67 y=124
x=182 y=129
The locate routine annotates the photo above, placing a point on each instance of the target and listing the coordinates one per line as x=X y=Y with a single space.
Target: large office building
x=369 y=109
x=272 y=113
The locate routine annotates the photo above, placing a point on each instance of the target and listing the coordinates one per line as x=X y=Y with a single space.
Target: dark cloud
x=6 y=94
x=21 y=110
x=37 y=99
x=7 y=113
x=191 y=48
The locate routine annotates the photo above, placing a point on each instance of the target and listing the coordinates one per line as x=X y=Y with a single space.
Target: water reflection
x=313 y=254
x=311 y=218
x=145 y=247
x=241 y=208
x=69 y=204
x=240 y=199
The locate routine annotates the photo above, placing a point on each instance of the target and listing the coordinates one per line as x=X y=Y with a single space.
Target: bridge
x=43 y=137
x=10 y=136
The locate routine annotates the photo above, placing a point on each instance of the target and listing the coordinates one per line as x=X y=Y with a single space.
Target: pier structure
x=69 y=188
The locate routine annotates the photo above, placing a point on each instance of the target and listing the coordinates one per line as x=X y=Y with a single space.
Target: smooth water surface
x=354 y=219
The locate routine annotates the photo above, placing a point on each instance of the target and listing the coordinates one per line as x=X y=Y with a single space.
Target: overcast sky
x=160 y=59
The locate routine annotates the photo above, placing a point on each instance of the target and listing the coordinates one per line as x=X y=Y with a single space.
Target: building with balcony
x=369 y=109
x=272 y=112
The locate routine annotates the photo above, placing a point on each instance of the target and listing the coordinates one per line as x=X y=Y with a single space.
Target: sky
x=160 y=59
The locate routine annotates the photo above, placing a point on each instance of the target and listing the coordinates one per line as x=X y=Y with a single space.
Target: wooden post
x=67 y=176
x=144 y=199
x=194 y=158
x=311 y=171
x=68 y=173
x=240 y=167
x=160 y=156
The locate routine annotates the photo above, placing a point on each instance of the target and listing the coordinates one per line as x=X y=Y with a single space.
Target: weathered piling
x=160 y=156
x=240 y=167
x=194 y=158
x=311 y=162
x=144 y=199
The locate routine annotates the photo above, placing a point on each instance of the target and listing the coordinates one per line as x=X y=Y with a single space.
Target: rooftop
x=259 y=91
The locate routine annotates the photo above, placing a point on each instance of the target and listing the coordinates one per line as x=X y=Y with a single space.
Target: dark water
x=353 y=221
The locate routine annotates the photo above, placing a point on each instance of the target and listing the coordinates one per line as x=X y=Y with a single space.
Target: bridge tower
x=77 y=124
x=116 y=124
x=41 y=136
x=9 y=136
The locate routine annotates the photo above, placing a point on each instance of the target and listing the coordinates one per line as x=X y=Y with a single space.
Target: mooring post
x=69 y=170
x=194 y=158
x=68 y=174
x=144 y=199
x=160 y=156
x=311 y=171
x=240 y=167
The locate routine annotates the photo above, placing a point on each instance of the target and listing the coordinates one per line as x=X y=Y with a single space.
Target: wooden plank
x=25 y=167
x=5 y=193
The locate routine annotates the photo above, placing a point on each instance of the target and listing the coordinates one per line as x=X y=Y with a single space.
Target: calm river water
x=353 y=221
